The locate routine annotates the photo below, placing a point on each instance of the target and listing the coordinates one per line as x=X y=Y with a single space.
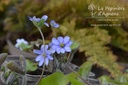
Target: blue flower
x=34 y=19
x=44 y=17
x=19 y=42
x=44 y=55
x=61 y=45
x=51 y=49
x=54 y=24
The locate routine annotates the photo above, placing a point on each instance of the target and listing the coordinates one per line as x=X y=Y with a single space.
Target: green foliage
x=83 y=72
x=75 y=45
x=119 y=39
x=56 y=78
x=85 y=69
x=93 y=41
x=30 y=66
x=25 y=47
x=59 y=78
x=120 y=80
x=74 y=80
x=39 y=24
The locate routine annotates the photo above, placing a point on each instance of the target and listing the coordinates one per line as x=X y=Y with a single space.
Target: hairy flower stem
x=41 y=35
x=44 y=57
x=78 y=75
x=41 y=74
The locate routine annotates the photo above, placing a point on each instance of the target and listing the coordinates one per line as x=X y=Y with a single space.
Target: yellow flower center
x=61 y=45
x=43 y=54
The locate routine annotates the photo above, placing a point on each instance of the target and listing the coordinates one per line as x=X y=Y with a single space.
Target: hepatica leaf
x=30 y=66
x=74 y=80
x=74 y=45
x=85 y=69
x=41 y=23
x=56 y=78
x=25 y=47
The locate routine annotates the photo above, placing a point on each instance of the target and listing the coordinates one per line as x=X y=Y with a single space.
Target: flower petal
x=34 y=19
x=37 y=19
x=54 y=47
x=58 y=50
x=46 y=61
x=37 y=51
x=69 y=44
x=38 y=58
x=60 y=39
x=67 y=49
x=30 y=18
x=50 y=44
x=54 y=24
x=50 y=57
x=46 y=24
x=45 y=17
x=62 y=50
x=66 y=39
x=18 y=40
x=41 y=62
x=44 y=48
x=51 y=51
x=54 y=41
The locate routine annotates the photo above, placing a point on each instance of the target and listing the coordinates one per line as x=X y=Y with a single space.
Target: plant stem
x=41 y=35
x=44 y=57
x=41 y=73
x=78 y=75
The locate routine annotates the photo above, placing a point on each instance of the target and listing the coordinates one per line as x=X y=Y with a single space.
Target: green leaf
x=74 y=80
x=40 y=23
x=85 y=69
x=105 y=80
x=30 y=66
x=56 y=78
x=83 y=72
x=25 y=47
x=120 y=80
x=75 y=45
x=35 y=23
